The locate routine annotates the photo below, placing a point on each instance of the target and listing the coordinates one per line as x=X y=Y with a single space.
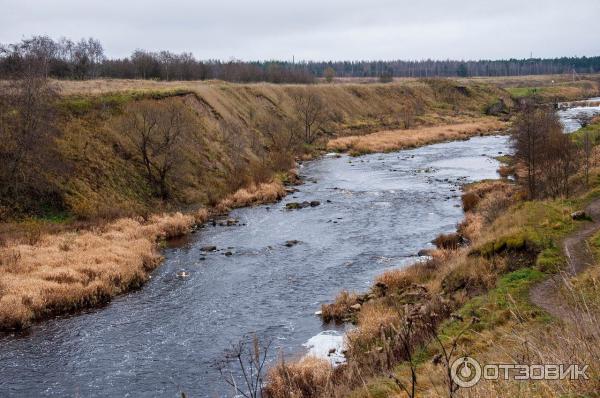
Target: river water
x=568 y=116
x=376 y=212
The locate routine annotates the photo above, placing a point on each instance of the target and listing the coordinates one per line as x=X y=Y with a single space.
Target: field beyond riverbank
x=394 y=140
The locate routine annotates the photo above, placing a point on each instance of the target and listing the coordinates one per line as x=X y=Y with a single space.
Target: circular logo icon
x=465 y=372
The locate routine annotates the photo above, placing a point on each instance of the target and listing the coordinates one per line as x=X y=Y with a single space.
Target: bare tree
x=247 y=358
x=27 y=137
x=311 y=113
x=529 y=137
x=329 y=74
x=95 y=53
x=558 y=159
x=408 y=114
x=235 y=144
x=156 y=131
x=283 y=136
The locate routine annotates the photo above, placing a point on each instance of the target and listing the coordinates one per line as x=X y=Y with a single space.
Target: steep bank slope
x=235 y=134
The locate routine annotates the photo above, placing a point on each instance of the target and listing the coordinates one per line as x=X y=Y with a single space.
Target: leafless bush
x=469 y=201
x=447 y=354
x=248 y=357
x=27 y=142
x=549 y=156
x=450 y=241
x=311 y=113
x=157 y=130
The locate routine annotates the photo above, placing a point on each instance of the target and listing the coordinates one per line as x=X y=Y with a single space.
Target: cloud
x=319 y=30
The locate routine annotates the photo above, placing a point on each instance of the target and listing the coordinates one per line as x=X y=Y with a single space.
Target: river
x=568 y=114
x=376 y=213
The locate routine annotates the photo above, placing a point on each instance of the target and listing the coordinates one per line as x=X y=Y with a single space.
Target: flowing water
x=376 y=212
x=568 y=115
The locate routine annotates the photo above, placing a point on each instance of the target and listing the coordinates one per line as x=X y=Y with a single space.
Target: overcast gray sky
x=317 y=29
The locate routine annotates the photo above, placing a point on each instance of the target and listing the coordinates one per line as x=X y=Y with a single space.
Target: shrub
x=340 y=308
x=469 y=201
x=472 y=275
x=450 y=241
x=373 y=320
x=494 y=204
x=309 y=377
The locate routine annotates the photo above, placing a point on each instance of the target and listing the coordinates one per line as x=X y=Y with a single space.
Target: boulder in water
x=182 y=274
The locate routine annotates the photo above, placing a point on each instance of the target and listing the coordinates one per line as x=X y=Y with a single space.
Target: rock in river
x=209 y=248
x=290 y=243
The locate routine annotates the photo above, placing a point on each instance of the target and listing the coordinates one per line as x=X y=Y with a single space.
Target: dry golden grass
x=68 y=271
x=431 y=289
x=340 y=308
x=386 y=141
x=252 y=195
x=309 y=377
x=418 y=273
x=374 y=319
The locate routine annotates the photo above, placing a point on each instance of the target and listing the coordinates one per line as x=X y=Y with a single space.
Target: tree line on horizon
x=86 y=59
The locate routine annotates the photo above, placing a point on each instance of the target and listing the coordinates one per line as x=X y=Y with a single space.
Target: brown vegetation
x=204 y=140
x=341 y=308
x=402 y=311
x=549 y=157
x=308 y=377
x=387 y=141
x=28 y=151
x=59 y=273
x=254 y=194
x=513 y=243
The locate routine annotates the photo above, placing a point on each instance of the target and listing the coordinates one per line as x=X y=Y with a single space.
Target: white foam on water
x=568 y=116
x=329 y=345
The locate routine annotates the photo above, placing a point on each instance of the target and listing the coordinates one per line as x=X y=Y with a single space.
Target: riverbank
x=471 y=297
x=46 y=274
x=395 y=140
x=256 y=281
x=231 y=141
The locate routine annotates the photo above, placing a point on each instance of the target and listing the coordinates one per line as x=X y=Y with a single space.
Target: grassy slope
x=54 y=266
x=103 y=183
x=508 y=324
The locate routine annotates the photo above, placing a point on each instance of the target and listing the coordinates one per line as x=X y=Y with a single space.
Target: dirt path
x=547 y=294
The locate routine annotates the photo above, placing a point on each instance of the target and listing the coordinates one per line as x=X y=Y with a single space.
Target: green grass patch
x=592 y=130
x=505 y=159
x=79 y=105
x=520 y=92
x=499 y=305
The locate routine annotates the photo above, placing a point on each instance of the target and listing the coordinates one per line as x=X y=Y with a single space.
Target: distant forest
x=85 y=59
